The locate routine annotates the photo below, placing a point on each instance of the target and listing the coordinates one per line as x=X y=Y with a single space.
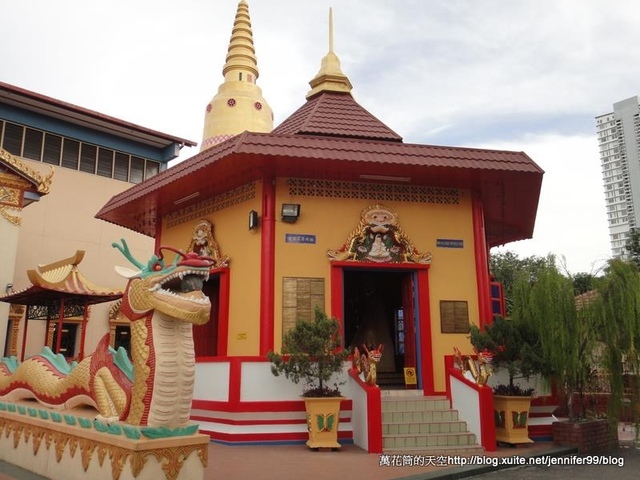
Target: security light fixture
x=253 y=220
x=290 y=212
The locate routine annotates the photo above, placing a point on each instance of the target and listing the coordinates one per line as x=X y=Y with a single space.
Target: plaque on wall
x=454 y=316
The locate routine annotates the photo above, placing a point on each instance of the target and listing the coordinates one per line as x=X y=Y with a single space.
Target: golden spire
x=238 y=106
x=241 y=55
x=330 y=77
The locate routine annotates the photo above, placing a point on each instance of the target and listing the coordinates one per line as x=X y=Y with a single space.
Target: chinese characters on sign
x=299 y=238
x=449 y=243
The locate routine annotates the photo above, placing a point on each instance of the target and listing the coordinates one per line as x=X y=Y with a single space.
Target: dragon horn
x=124 y=249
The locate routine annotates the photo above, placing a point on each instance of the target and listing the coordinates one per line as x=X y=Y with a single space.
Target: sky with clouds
x=527 y=75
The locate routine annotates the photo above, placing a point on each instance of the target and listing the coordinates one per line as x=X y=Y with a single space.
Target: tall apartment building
x=619 y=140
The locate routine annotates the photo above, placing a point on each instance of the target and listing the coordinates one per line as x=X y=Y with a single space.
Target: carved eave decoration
x=42 y=183
x=379 y=238
x=62 y=281
x=16 y=178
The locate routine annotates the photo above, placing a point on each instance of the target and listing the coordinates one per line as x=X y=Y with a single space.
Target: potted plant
x=312 y=353
x=506 y=341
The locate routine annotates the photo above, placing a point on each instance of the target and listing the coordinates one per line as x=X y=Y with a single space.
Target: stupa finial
x=330 y=77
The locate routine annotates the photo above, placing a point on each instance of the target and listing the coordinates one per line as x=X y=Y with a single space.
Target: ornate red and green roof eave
x=507 y=183
x=61 y=284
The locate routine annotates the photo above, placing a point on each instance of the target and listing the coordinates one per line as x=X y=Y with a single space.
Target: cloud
x=571 y=220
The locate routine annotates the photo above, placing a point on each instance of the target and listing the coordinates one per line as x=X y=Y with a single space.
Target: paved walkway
x=296 y=462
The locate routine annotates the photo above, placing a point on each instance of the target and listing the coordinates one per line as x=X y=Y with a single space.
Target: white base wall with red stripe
x=238 y=400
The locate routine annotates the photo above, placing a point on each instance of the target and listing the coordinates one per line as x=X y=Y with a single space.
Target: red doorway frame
x=223 y=274
x=424 y=342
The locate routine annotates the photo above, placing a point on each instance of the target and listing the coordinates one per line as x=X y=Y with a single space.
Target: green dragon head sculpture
x=173 y=289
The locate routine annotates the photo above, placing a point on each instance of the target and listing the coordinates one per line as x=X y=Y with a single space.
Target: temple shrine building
x=329 y=209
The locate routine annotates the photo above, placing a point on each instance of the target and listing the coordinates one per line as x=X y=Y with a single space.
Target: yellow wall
x=242 y=246
x=451 y=275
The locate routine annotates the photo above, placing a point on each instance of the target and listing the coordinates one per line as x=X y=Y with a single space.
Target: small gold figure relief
x=204 y=244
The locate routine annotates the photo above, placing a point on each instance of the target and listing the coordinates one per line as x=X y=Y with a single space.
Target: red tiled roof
x=508 y=182
x=337 y=115
x=62 y=280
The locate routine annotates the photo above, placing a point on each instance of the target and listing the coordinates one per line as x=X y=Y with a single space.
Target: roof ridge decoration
x=42 y=183
x=15 y=179
x=330 y=78
x=64 y=276
x=379 y=238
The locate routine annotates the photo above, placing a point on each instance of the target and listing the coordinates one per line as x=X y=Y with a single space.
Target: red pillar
x=85 y=315
x=24 y=332
x=426 y=338
x=267 y=265
x=482 y=262
x=60 y=325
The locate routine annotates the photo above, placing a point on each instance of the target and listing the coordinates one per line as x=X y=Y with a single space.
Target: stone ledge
x=65 y=452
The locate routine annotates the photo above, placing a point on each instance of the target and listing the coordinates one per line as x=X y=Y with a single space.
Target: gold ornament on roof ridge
x=43 y=183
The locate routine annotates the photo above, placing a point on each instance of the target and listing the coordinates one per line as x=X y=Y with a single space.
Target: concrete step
x=420 y=416
x=416 y=424
x=390 y=378
x=402 y=428
x=434 y=441
x=402 y=392
x=414 y=403
x=463 y=451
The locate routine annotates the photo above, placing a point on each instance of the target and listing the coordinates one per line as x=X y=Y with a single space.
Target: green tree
x=619 y=303
x=508 y=341
x=633 y=246
x=564 y=338
x=506 y=266
x=584 y=282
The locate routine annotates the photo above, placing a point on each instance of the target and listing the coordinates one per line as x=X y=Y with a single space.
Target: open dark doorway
x=205 y=337
x=376 y=311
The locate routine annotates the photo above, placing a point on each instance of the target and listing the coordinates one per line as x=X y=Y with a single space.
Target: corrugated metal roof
x=509 y=182
x=338 y=115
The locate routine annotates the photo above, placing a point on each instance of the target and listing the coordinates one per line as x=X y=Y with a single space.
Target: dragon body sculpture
x=368 y=364
x=162 y=301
